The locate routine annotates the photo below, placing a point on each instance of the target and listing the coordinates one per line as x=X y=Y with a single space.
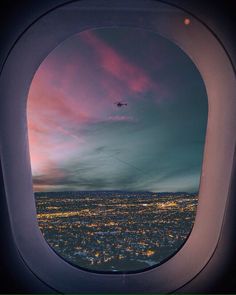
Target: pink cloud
x=134 y=77
x=70 y=91
x=118 y=118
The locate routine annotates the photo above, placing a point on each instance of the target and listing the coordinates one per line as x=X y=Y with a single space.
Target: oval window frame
x=218 y=74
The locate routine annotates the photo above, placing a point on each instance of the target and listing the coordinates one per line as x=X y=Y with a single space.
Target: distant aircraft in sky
x=120 y=104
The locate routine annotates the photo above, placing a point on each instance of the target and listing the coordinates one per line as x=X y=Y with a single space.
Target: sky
x=80 y=139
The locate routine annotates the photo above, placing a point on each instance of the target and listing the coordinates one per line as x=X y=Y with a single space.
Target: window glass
x=116 y=122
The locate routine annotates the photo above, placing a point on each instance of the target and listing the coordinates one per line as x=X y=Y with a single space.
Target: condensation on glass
x=116 y=122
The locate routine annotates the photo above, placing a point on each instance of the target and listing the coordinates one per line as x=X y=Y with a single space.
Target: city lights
x=115 y=231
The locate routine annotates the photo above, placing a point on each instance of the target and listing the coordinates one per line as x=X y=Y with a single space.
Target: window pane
x=117 y=120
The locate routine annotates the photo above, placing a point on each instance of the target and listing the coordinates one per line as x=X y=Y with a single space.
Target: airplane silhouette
x=120 y=104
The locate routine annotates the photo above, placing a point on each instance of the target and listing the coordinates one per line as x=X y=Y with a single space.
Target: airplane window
x=116 y=120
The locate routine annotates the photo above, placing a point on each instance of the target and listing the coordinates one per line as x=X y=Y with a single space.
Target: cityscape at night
x=115 y=230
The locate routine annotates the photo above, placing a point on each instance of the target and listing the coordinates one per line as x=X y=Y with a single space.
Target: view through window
x=116 y=120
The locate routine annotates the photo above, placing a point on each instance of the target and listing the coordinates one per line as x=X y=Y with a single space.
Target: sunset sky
x=79 y=138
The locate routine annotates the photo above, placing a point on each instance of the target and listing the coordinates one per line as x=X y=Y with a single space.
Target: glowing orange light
x=187 y=21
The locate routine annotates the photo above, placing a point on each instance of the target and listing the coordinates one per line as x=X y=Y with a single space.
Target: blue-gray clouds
x=81 y=140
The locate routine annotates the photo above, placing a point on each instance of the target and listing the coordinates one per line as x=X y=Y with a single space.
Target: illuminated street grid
x=115 y=231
